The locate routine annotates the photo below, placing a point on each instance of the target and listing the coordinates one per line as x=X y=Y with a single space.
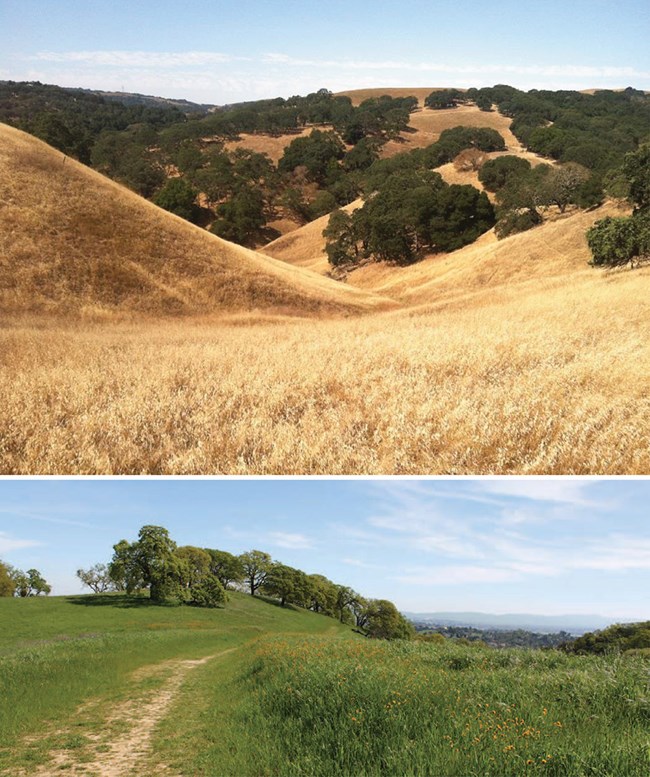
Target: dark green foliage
x=513 y=222
x=294 y=201
x=209 y=592
x=314 y=153
x=520 y=200
x=150 y=562
x=125 y=156
x=240 y=218
x=412 y=211
x=595 y=131
x=460 y=214
x=384 y=621
x=484 y=103
x=636 y=168
x=289 y=585
x=341 y=241
x=226 y=567
x=7 y=585
x=72 y=120
x=30 y=583
x=362 y=155
x=617 y=638
x=618 y=241
x=177 y=196
x=496 y=173
x=452 y=141
x=443 y=98
x=324 y=203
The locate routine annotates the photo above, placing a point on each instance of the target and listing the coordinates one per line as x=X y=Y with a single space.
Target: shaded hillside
x=74 y=242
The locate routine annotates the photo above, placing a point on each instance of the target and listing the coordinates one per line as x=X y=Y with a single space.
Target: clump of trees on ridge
x=15 y=582
x=202 y=576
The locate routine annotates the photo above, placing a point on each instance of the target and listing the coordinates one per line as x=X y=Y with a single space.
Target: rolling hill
x=76 y=243
x=506 y=357
x=113 y=686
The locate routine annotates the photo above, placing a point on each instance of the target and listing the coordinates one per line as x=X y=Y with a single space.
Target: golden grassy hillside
x=359 y=95
x=75 y=243
x=305 y=247
x=511 y=357
x=521 y=360
x=272 y=145
x=429 y=124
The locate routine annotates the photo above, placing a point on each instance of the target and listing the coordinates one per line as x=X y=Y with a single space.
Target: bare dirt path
x=122 y=744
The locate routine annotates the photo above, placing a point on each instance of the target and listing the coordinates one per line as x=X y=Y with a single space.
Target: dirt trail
x=124 y=740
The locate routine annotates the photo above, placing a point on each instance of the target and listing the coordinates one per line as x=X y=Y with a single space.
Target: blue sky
x=221 y=51
x=543 y=546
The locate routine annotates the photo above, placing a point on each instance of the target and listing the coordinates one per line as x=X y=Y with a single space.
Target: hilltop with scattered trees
x=176 y=155
x=202 y=576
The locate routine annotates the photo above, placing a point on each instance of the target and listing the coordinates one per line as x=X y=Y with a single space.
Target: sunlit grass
x=363 y=708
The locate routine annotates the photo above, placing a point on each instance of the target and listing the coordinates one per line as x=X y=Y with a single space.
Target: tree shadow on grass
x=123 y=601
x=277 y=603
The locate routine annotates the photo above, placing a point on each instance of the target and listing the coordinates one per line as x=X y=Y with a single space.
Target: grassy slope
x=75 y=243
x=516 y=357
x=507 y=357
x=59 y=653
x=298 y=694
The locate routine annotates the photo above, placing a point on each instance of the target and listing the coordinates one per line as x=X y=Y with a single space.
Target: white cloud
x=565 y=490
x=145 y=59
x=289 y=540
x=456 y=574
x=8 y=543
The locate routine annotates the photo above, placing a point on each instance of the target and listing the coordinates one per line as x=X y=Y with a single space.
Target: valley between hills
x=134 y=342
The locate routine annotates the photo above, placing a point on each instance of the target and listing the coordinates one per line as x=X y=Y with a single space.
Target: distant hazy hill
x=574 y=624
x=133 y=98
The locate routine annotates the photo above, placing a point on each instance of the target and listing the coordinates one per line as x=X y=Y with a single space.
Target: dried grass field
x=552 y=385
x=185 y=354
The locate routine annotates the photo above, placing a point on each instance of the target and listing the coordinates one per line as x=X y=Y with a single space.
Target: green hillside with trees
x=203 y=662
x=257 y=688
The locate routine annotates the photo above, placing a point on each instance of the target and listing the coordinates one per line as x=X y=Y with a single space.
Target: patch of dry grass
x=272 y=145
x=547 y=383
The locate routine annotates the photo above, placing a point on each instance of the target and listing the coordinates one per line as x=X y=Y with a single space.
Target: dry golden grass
x=272 y=145
x=72 y=242
x=553 y=380
x=506 y=357
x=305 y=247
x=359 y=95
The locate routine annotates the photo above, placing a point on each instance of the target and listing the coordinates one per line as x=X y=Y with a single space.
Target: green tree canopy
x=7 y=584
x=226 y=567
x=150 y=562
x=257 y=566
x=97 y=578
x=178 y=197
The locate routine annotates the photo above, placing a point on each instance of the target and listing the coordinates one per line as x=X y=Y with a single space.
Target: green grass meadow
x=302 y=695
